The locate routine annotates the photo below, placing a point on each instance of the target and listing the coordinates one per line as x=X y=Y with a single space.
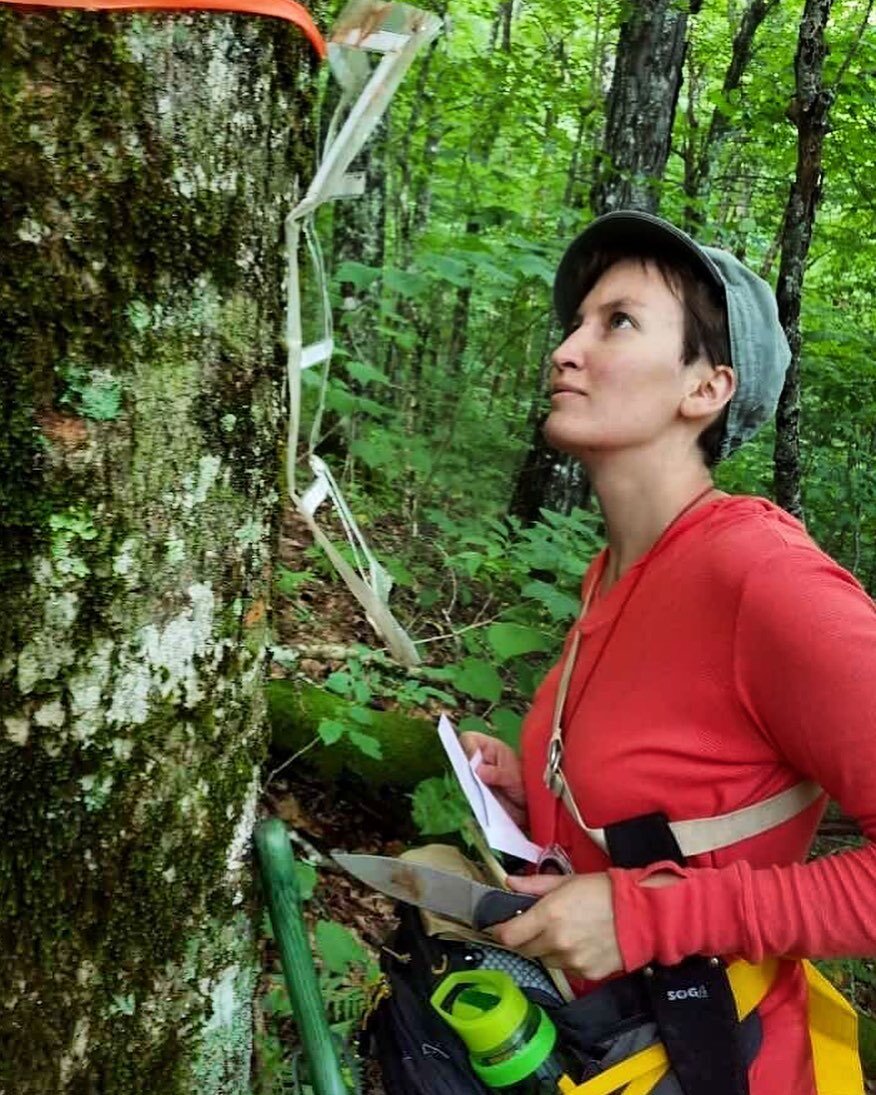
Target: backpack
x=419 y=1054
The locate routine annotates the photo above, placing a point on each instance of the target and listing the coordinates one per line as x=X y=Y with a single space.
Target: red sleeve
x=805 y=669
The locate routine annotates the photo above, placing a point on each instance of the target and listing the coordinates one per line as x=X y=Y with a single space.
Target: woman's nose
x=570 y=352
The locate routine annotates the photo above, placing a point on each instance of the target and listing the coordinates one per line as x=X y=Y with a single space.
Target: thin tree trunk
x=809 y=111
x=696 y=179
x=140 y=319
x=640 y=112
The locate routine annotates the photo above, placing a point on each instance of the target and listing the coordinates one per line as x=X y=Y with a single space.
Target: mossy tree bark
x=145 y=167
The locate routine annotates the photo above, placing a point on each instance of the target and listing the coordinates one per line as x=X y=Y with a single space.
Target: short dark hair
x=706 y=333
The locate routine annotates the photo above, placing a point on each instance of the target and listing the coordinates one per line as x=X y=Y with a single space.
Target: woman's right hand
x=500 y=770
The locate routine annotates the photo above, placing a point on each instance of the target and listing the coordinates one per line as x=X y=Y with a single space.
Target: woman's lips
x=566 y=393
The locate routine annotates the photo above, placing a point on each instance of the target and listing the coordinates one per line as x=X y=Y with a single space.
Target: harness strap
x=707 y=834
x=692 y=1002
x=696 y=836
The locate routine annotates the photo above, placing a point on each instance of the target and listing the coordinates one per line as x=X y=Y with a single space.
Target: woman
x=721 y=657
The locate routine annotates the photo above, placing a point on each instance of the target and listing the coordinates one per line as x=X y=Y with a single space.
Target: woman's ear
x=711 y=388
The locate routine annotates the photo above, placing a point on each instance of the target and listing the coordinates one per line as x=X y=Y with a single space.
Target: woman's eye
x=619 y=320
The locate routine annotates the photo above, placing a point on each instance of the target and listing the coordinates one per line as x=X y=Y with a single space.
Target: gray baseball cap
x=758 y=348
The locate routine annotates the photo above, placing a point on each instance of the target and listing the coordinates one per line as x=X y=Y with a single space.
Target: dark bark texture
x=640 y=111
x=641 y=106
x=145 y=164
x=809 y=111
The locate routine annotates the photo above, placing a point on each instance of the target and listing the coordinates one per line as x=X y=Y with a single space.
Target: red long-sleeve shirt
x=730 y=662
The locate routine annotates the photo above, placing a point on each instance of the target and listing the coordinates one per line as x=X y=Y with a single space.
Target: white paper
x=502 y=834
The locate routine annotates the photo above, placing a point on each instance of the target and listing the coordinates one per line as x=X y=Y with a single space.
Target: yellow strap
x=750 y=984
x=833 y=1034
x=648 y=1082
x=649 y=1064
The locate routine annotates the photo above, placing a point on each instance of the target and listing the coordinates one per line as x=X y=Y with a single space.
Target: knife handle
x=497 y=906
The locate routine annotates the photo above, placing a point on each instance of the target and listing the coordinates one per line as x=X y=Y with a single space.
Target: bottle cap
x=490 y=1013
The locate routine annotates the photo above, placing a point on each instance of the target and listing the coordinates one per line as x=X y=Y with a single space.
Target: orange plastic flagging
x=279 y=9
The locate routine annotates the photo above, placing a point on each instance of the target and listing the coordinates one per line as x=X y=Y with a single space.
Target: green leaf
x=340 y=682
x=338 y=947
x=560 y=605
x=339 y=399
x=472 y=722
x=361 y=690
x=305 y=876
x=478 y=679
x=370 y=407
x=362 y=715
x=276 y=1001
x=534 y=266
x=448 y=269
x=364 y=373
x=404 y=282
x=366 y=744
x=330 y=731
x=439 y=806
x=288 y=582
x=511 y=640
x=357 y=273
x=375 y=454
x=507 y=724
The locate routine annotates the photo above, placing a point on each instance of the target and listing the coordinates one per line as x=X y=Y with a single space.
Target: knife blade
x=447 y=894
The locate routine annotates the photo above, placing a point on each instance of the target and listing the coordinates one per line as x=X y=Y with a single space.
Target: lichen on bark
x=146 y=163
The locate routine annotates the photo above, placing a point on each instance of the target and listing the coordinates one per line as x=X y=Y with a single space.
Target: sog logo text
x=695 y=992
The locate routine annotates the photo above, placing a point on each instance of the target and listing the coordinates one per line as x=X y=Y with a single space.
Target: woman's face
x=618 y=377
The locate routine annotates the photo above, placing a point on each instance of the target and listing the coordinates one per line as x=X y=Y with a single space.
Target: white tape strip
x=315 y=495
x=351 y=185
x=317 y=352
x=363 y=26
x=381 y=41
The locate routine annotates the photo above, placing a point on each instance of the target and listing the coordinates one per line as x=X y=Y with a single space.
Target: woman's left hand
x=570 y=928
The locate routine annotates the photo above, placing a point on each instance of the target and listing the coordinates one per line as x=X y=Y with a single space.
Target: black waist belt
x=692 y=1003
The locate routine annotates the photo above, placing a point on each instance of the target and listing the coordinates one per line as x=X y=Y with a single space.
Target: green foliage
x=272 y=1075
x=477 y=678
x=289 y=582
x=347 y=975
x=510 y=640
x=438 y=806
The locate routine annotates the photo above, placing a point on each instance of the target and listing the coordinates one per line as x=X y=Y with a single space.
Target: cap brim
x=626 y=230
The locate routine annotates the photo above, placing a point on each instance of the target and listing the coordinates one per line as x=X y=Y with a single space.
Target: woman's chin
x=562 y=436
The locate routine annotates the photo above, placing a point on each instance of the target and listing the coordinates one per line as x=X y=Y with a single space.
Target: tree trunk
x=144 y=172
x=640 y=112
x=641 y=107
x=696 y=178
x=809 y=111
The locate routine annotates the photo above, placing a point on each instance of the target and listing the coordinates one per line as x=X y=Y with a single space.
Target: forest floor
x=324 y=616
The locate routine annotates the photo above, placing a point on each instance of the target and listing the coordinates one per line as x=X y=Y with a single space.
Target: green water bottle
x=511 y=1042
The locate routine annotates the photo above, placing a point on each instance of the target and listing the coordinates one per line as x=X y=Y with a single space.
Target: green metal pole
x=284 y=905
